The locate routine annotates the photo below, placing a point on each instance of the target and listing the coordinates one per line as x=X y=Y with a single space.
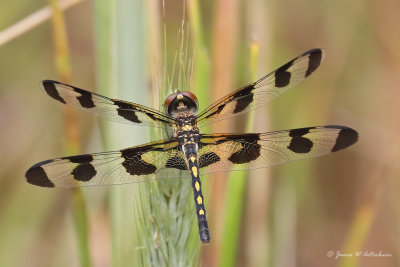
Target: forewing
x=131 y=165
x=112 y=109
x=224 y=152
x=264 y=90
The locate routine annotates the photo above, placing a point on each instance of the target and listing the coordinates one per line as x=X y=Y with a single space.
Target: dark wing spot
x=346 y=138
x=250 y=151
x=52 y=91
x=125 y=111
x=246 y=154
x=80 y=159
x=208 y=159
x=84 y=172
x=300 y=144
x=282 y=76
x=215 y=113
x=243 y=98
x=85 y=98
x=300 y=132
x=134 y=164
x=314 y=60
x=176 y=163
x=37 y=176
x=243 y=103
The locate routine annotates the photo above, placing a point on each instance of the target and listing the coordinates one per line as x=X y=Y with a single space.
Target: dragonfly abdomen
x=191 y=156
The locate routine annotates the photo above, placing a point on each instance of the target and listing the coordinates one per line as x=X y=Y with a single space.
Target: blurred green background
x=293 y=214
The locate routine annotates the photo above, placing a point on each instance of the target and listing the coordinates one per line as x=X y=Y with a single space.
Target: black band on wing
x=112 y=109
x=299 y=143
x=176 y=163
x=36 y=175
x=125 y=110
x=84 y=172
x=265 y=89
x=208 y=159
x=315 y=59
x=246 y=146
x=346 y=138
x=51 y=90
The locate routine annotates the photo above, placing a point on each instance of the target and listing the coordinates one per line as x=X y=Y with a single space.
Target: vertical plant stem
x=81 y=222
x=202 y=72
x=72 y=145
x=235 y=194
x=223 y=59
x=121 y=72
x=357 y=235
x=363 y=219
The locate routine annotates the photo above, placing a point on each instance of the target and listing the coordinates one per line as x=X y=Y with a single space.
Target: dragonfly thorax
x=186 y=130
x=188 y=137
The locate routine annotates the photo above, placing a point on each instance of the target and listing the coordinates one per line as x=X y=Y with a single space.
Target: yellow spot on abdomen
x=197 y=186
x=194 y=171
x=199 y=200
x=192 y=159
x=201 y=212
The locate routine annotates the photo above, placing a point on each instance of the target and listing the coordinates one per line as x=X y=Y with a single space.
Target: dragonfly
x=189 y=152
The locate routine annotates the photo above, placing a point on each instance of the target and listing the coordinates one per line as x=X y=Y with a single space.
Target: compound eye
x=179 y=96
x=170 y=98
x=190 y=95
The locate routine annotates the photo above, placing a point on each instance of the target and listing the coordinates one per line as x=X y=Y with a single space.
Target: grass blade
x=235 y=194
x=73 y=144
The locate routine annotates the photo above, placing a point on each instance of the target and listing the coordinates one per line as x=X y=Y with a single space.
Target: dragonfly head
x=181 y=102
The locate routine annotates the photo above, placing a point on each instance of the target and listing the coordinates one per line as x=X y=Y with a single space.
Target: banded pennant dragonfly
x=191 y=152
